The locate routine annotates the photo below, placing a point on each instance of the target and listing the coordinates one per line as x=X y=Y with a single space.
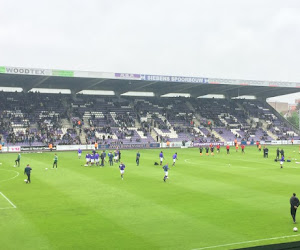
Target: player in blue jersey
x=281 y=161
x=79 y=153
x=166 y=168
x=161 y=157
x=122 y=169
x=92 y=157
x=87 y=159
x=174 y=159
x=97 y=159
x=137 y=160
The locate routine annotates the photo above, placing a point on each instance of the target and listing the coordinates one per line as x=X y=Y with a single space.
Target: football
x=46 y=168
x=295 y=229
x=25 y=180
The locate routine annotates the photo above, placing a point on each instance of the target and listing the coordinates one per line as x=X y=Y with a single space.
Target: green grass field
x=205 y=204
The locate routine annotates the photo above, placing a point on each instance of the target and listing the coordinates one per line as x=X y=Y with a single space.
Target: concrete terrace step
x=217 y=135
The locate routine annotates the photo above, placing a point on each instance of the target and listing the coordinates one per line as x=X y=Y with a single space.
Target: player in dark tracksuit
x=17 y=161
x=110 y=157
x=294 y=201
x=27 y=171
x=137 y=160
x=55 y=161
x=201 y=149
x=207 y=150
x=277 y=153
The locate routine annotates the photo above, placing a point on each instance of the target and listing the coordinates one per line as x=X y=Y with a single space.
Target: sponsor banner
x=25 y=71
x=36 y=148
x=284 y=142
x=132 y=76
x=71 y=147
x=107 y=146
x=4 y=149
x=14 y=149
x=171 y=145
x=198 y=144
x=158 y=78
x=64 y=73
x=128 y=76
x=143 y=145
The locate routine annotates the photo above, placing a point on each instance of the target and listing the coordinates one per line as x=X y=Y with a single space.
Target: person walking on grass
x=55 y=161
x=166 y=168
x=281 y=161
x=174 y=159
x=17 y=161
x=27 y=171
x=161 y=157
x=294 y=201
x=79 y=153
x=111 y=157
x=122 y=170
x=137 y=160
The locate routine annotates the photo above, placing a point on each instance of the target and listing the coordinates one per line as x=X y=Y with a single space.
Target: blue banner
x=158 y=78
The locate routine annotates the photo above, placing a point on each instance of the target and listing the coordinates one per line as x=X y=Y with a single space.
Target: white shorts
x=166 y=173
x=97 y=160
x=88 y=159
x=79 y=154
x=174 y=160
x=161 y=159
x=116 y=157
x=92 y=160
x=122 y=171
x=281 y=162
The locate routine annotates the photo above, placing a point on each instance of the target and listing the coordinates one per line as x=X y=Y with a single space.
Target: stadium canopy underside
x=121 y=83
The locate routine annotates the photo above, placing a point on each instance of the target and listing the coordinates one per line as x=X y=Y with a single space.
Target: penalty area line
x=14 y=206
x=245 y=242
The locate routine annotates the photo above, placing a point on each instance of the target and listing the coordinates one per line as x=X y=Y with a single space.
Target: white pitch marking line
x=8 y=200
x=249 y=241
x=12 y=177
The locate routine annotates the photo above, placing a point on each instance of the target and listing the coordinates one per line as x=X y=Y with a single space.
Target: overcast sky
x=239 y=39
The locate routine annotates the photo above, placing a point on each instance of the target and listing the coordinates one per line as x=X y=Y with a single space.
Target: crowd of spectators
x=33 y=117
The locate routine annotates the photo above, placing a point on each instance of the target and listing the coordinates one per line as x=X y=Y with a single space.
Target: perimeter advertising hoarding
x=11 y=149
x=107 y=146
x=158 y=78
x=25 y=71
x=128 y=76
x=133 y=76
x=198 y=144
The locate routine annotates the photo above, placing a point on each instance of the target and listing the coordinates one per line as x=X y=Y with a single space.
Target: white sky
x=249 y=39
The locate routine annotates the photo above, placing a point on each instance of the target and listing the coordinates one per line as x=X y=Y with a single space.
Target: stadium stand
x=39 y=119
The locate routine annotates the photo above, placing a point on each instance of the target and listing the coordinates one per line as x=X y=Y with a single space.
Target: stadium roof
x=120 y=83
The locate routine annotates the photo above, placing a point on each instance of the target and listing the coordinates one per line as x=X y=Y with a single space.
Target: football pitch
x=208 y=202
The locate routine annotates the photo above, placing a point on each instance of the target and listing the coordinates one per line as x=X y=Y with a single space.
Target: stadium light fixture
x=10 y=89
x=96 y=92
x=136 y=93
x=246 y=97
x=210 y=96
x=176 y=95
x=50 y=91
